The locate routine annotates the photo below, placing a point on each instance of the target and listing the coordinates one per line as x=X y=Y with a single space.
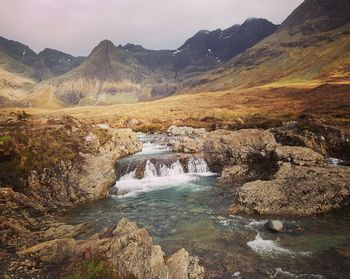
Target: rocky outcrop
x=296 y=190
x=185 y=131
x=188 y=145
x=48 y=165
x=224 y=148
x=313 y=133
x=301 y=156
x=127 y=248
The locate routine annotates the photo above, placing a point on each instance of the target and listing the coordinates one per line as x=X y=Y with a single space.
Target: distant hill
x=312 y=44
x=18 y=58
x=59 y=62
x=107 y=75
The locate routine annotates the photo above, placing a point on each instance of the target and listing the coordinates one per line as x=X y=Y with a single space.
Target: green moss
x=4 y=140
x=96 y=269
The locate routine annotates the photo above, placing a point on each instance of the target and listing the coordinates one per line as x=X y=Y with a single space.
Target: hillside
x=107 y=76
x=312 y=45
x=132 y=73
x=59 y=62
x=18 y=58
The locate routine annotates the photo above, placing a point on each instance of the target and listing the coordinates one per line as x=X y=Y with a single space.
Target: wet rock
x=296 y=190
x=301 y=156
x=185 y=131
x=274 y=225
x=224 y=148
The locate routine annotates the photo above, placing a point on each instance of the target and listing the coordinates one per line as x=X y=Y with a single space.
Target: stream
x=182 y=207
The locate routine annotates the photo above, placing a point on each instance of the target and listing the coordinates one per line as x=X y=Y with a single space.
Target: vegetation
x=96 y=269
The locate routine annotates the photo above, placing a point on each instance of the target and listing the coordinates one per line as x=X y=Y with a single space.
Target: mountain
x=205 y=50
x=20 y=70
x=108 y=75
x=311 y=45
x=131 y=73
x=59 y=62
x=18 y=58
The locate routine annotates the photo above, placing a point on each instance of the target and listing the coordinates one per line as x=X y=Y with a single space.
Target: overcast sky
x=76 y=26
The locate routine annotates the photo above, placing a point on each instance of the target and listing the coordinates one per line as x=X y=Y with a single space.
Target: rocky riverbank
x=49 y=165
x=277 y=179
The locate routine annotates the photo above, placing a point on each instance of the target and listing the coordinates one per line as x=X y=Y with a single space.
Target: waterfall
x=197 y=165
x=158 y=172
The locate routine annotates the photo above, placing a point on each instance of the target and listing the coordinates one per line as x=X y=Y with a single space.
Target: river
x=183 y=207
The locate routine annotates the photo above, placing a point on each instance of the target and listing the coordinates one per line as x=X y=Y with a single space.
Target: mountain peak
x=319 y=15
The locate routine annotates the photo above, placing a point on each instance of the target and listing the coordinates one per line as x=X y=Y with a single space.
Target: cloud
x=76 y=26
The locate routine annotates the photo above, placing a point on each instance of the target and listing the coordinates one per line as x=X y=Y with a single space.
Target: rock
x=130 y=251
x=296 y=190
x=188 y=145
x=224 y=148
x=274 y=225
x=233 y=173
x=182 y=266
x=315 y=133
x=301 y=156
x=185 y=131
x=53 y=251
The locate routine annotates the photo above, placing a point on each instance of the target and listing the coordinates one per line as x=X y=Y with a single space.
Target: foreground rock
x=127 y=248
x=274 y=225
x=296 y=190
x=48 y=165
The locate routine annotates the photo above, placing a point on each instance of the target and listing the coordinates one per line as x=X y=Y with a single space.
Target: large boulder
x=127 y=248
x=224 y=148
x=301 y=156
x=296 y=190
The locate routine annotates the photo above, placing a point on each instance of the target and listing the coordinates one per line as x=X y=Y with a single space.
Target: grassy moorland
x=258 y=106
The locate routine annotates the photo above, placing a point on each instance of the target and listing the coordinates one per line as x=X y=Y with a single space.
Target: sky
x=77 y=26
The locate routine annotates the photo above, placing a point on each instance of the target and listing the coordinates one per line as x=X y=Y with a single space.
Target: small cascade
x=159 y=173
x=197 y=165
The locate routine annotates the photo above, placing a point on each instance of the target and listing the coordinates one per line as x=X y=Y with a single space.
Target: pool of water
x=188 y=210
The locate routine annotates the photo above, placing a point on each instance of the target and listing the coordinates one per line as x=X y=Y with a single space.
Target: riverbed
x=185 y=207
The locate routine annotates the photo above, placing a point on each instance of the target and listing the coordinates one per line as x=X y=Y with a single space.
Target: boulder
x=297 y=155
x=130 y=250
x=188 y=145
x=296 y=190
x=274 y=225
x=234 y=173
x=185 y=131
x=224 y=148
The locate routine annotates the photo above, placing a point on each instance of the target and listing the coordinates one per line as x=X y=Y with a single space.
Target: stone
x=185 y=131
x=296 y=190
x=188 y=145
x=297 y=155
x=224 y=148
x=232 y=173
x=274 y=225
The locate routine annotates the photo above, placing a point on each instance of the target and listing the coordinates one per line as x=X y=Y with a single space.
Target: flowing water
x=182 y=207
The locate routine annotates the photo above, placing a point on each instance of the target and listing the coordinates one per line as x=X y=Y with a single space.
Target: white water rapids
x=161 y=176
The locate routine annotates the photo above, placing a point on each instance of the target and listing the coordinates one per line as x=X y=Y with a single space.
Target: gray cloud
x=76 y=26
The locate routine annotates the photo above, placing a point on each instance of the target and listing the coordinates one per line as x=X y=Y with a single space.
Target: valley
x=226 y=157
